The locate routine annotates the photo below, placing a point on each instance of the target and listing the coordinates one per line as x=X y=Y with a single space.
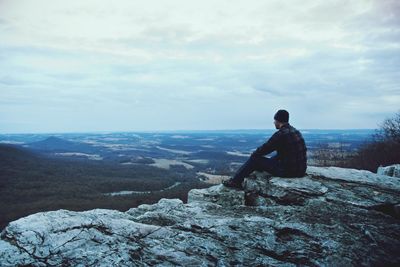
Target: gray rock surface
x=331 y=217
x=392 y=170
x=218 y=194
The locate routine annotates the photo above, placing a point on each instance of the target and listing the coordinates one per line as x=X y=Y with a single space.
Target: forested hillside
x=31 y=182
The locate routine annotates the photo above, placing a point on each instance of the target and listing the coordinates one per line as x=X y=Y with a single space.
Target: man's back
x=292 y=151
x=291 y=148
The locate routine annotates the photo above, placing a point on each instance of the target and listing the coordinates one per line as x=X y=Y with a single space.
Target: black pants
x=258 y=163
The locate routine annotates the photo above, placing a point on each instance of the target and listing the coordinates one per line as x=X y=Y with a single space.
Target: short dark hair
x=282 y=116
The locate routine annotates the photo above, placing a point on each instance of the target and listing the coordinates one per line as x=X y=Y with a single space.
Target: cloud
x=154 y=65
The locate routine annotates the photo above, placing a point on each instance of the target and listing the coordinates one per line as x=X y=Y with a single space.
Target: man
x=291 y=158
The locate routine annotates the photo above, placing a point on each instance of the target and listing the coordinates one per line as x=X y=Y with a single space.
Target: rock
x=392 y=170
x=71 y=238
x=283 y=190
x=330 y=217
x=218 y=194
x=362 y=177
x=397 y=210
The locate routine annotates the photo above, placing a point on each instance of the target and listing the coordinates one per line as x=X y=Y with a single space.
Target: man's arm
x=269 y=146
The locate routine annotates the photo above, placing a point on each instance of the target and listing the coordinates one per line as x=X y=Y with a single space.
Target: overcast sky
x=81 y=66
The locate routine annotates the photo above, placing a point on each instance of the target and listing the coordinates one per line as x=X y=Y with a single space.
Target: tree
x=383 y=150
x=391 y=128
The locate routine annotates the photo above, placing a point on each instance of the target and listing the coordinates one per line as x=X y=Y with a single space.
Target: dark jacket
x=291 y=149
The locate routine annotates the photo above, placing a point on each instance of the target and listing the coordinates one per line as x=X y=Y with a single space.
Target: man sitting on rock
x=291 y=158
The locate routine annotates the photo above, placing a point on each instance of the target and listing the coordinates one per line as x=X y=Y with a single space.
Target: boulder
x=392 y=170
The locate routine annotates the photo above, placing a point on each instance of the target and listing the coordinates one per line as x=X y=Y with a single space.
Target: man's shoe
x=230 y=183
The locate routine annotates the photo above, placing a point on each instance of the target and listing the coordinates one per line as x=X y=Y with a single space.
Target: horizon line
x=182 y=130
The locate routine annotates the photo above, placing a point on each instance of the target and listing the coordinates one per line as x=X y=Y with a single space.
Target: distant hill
x=15 y=154
x=56 y=144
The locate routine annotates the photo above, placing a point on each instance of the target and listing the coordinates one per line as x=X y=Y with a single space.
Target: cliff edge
x=331 y=217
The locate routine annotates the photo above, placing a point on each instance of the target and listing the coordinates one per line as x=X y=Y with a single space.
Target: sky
x=128 y=65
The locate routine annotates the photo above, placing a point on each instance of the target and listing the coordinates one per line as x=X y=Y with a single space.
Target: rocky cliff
x=331 y=217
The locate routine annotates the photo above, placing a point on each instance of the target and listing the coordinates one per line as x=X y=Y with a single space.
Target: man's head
x=281 y=118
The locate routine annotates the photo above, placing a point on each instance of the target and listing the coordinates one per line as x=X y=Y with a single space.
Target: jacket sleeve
x=269 y=146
